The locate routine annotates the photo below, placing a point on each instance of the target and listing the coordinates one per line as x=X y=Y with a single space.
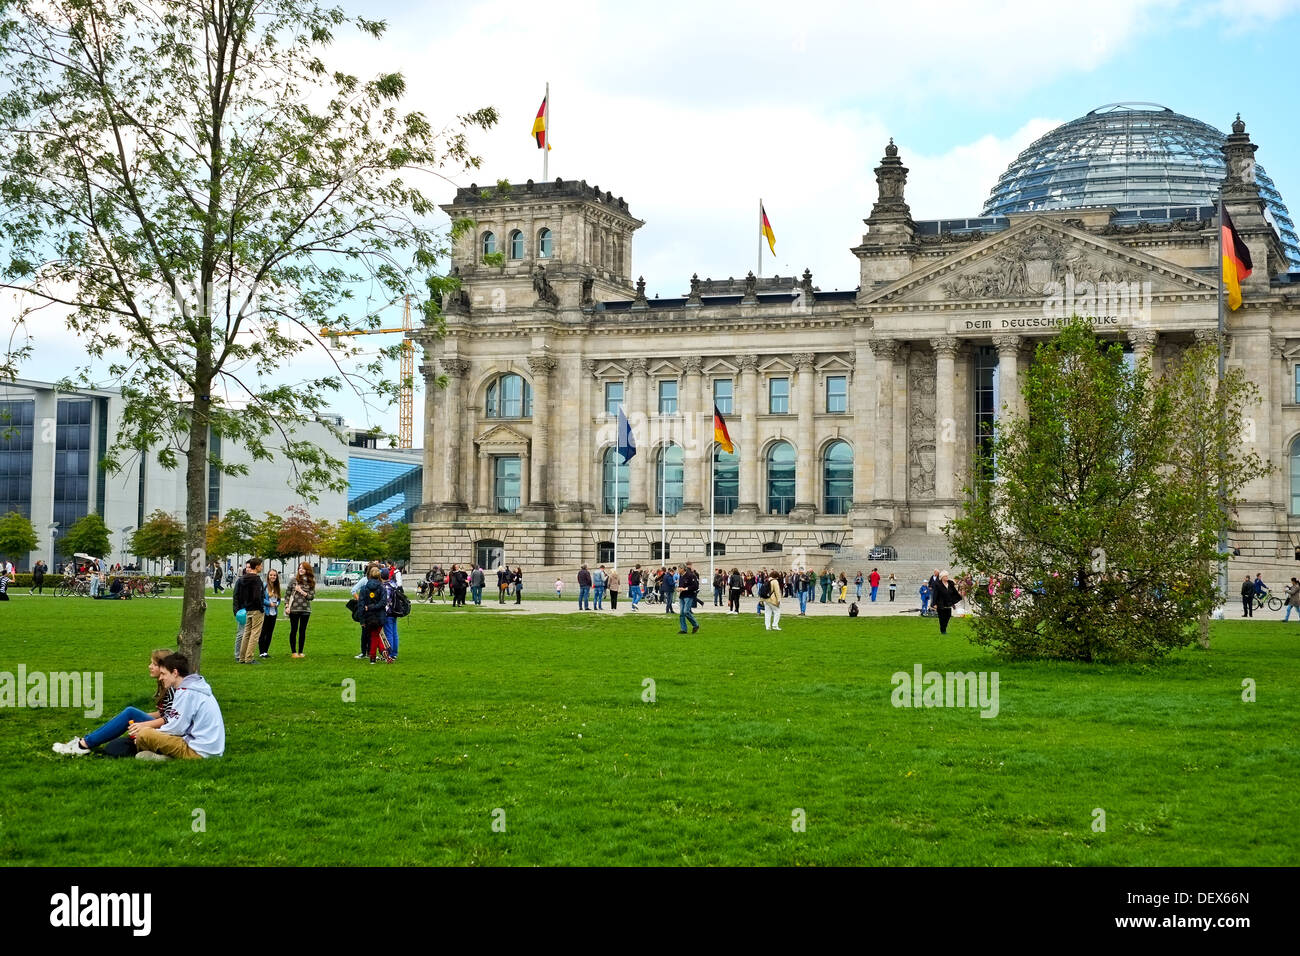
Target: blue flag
x=626 y=444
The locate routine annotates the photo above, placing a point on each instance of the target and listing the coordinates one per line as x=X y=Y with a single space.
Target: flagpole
x=1222 y=339
x=546 y=155
x=663 y=506
x=760 y=237
x=618 y=493
x=713 y=503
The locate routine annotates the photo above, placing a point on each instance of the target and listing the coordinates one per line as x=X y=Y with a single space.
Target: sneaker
x=360 y=657
x=72 y=748
x=264 y=656
x=681 y=632
x=776 y=629
x=696 y=629
x=150 y=755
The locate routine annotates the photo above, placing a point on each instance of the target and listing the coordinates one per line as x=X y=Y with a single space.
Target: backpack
x=401 y=604
x=765 y=590
x=354 y=608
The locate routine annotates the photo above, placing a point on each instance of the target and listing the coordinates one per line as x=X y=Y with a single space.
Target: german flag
x=720 y=435
x=1236 y=261
x=765 y=228
x=539 y=126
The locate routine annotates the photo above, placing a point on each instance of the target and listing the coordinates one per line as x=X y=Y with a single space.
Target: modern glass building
x=381 y=489
x=1133 y=156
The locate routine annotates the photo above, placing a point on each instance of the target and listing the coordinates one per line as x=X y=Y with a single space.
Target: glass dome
x=1131 y=156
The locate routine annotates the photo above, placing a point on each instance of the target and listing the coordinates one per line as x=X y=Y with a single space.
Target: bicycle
x=1266 y=599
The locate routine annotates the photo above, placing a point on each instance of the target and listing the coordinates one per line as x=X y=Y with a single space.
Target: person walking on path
x=769 y=592
x=302 y=591
x=1248 y=597
x=599 y=581
x=559 y=588
x=476 y=584
x=249 y=596
x=667 y=586
x=584 y=589
x=459 y=580
x=518 y=579
x=613 y=589
x=688 y=592
x=735 y=585
x=1292 y=599
x=634 y=579
x=38 y=578
x=946 y=597
x=503 y=583
x=874 y=581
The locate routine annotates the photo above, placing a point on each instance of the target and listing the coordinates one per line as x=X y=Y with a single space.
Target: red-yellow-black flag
x=539 y=126
x=720 y=434
x=765 y=228
x=1236 y=261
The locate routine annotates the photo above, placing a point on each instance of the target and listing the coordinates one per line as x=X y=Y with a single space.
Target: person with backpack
x=770 y=595
x=372 y=608
x=397 y=605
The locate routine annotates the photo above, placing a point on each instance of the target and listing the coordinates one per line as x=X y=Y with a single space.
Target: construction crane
x=406 y=399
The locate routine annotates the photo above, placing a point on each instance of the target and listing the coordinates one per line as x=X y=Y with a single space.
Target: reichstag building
x=854 y=414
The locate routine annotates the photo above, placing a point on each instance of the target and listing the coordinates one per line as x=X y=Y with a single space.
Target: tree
x=395 y=541
x=1098 y=538
x=266 y=537
x=354 y=540
x=203 y=192
x=89 y=536
x=299 y=534
x=17 y=536
x=236 y=536
x=161 y=536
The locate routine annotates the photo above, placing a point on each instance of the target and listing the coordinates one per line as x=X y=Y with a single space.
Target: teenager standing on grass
x=298 y=606
x=248 y=597
x=688 y=592
x=80 y=746
x=946 y=597
x=769 y=592
x=270 y=613
x=373 y=602
x=391 y=587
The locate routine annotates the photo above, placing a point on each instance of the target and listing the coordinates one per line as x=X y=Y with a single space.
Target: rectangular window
x=507 y=483
x=17 y=431
x=723 y=394
x=1297 y=384
x=837 y=393
x=668 y=398
x=613 y=397
x=778 y=396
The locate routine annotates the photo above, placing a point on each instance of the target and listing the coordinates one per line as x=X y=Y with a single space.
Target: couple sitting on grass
x=187 y=723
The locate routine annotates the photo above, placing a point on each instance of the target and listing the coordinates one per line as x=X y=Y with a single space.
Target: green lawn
x=542 y=716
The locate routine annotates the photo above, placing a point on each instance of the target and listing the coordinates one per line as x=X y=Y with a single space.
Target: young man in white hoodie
x=196 y=730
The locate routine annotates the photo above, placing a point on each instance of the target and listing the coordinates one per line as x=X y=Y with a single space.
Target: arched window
x=516 y=245
x=615 y=474
x=669 y=474
x=780 y=478
x=1295 y=476
x=509 y=397
x=726 y=482
x=545 y=244
x=489 y=244
x=837 y=478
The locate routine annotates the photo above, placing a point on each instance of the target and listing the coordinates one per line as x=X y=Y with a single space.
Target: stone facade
x=891 y=369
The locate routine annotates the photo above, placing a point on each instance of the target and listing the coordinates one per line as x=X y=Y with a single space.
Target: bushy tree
x=395 y=541
x=355 y=540
x=266 y=537
x=17 y=536
x=203 y=192
x=161 y=536
x=1098 y=538
x=299 y=535
x=89 y=536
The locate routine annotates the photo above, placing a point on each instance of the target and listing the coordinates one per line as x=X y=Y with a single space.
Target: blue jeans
x=803 y=602
x=1288 y=613
x=874 y=588
x=634 y=593
x=668 y=601
x=583 y=597
x=600 y=596
x=859 y=587
x=685 y=615
x=116 y=727
x=925 y=604
x=476 y=595
x=390 y=632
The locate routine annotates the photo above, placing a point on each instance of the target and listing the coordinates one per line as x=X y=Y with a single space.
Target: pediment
x=501 y=435
x=835 y=363
x=663 y=367
x=718 y=366
x=1035 y=259
x=774 y=363
x=607 y=369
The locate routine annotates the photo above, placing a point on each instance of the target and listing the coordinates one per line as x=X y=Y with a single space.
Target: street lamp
x=124 y=532
x=54 y=533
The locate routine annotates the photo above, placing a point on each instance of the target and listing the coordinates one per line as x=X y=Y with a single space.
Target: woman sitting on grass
x=80 y=746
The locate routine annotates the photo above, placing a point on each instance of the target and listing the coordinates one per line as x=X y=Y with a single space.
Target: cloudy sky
x=692 y=111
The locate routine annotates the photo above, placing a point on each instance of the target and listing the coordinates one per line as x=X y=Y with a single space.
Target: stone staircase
x=919 y=553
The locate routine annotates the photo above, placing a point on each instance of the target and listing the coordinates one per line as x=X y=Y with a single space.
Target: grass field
x=542 y=717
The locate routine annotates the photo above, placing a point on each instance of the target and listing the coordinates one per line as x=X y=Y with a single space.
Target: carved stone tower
x=1242 y=199
x=887 y=248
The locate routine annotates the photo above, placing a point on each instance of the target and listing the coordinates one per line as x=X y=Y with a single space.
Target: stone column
x=885 y=351
x=483 y=500
x=458 y=440
x=539 y=482
x=748 y=404
x=1008 y=347
x=525 y=480
x=806 y=468
x=1144 y=341
x=694 y=440
x=588 y=413
x=435 y=438
x=1281 y=373
x=639 y=466
x=862 y=402
x=945 y=434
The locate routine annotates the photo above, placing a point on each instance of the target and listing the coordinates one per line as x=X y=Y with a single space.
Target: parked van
x=346 y=573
